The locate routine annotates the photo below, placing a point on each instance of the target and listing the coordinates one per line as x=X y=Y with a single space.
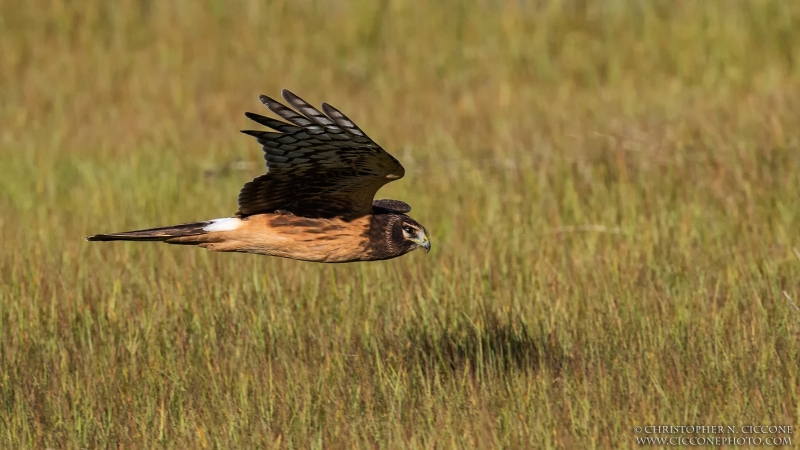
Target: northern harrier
x=315 y=203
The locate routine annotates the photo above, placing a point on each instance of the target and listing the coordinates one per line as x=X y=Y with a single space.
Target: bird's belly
x=286 y=236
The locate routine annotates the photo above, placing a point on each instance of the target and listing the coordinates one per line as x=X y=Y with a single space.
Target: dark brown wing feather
x=320 y=165
x=392 y=205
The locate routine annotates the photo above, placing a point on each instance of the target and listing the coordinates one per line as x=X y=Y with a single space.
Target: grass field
x=612 y=189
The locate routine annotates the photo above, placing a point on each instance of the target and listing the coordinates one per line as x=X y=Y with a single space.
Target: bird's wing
x=392 y=205
x=319 y=165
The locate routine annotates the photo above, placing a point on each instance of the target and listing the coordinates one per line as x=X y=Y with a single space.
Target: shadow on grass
x=490 y=343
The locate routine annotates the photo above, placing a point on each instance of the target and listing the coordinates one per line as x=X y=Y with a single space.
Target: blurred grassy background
x=611 y=188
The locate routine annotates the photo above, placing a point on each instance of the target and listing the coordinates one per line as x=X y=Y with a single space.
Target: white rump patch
x=226 y=224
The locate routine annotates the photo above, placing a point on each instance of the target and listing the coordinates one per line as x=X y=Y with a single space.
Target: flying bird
x=315 y=203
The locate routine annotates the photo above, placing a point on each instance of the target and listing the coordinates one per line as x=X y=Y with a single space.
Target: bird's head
x=393 y=234
x=411 y=234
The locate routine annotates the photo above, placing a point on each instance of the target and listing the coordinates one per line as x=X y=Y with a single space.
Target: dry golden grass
x=611 y=187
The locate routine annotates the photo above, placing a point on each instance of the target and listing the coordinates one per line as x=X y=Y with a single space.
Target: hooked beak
x=426 y=244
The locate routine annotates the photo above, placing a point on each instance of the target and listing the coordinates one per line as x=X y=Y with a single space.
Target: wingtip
x=333 y=112
x=266 y=100
x=288 y=95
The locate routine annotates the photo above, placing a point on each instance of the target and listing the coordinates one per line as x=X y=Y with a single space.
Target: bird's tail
x=163 y=234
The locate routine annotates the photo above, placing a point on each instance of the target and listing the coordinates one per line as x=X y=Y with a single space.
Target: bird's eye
x=408 y=230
